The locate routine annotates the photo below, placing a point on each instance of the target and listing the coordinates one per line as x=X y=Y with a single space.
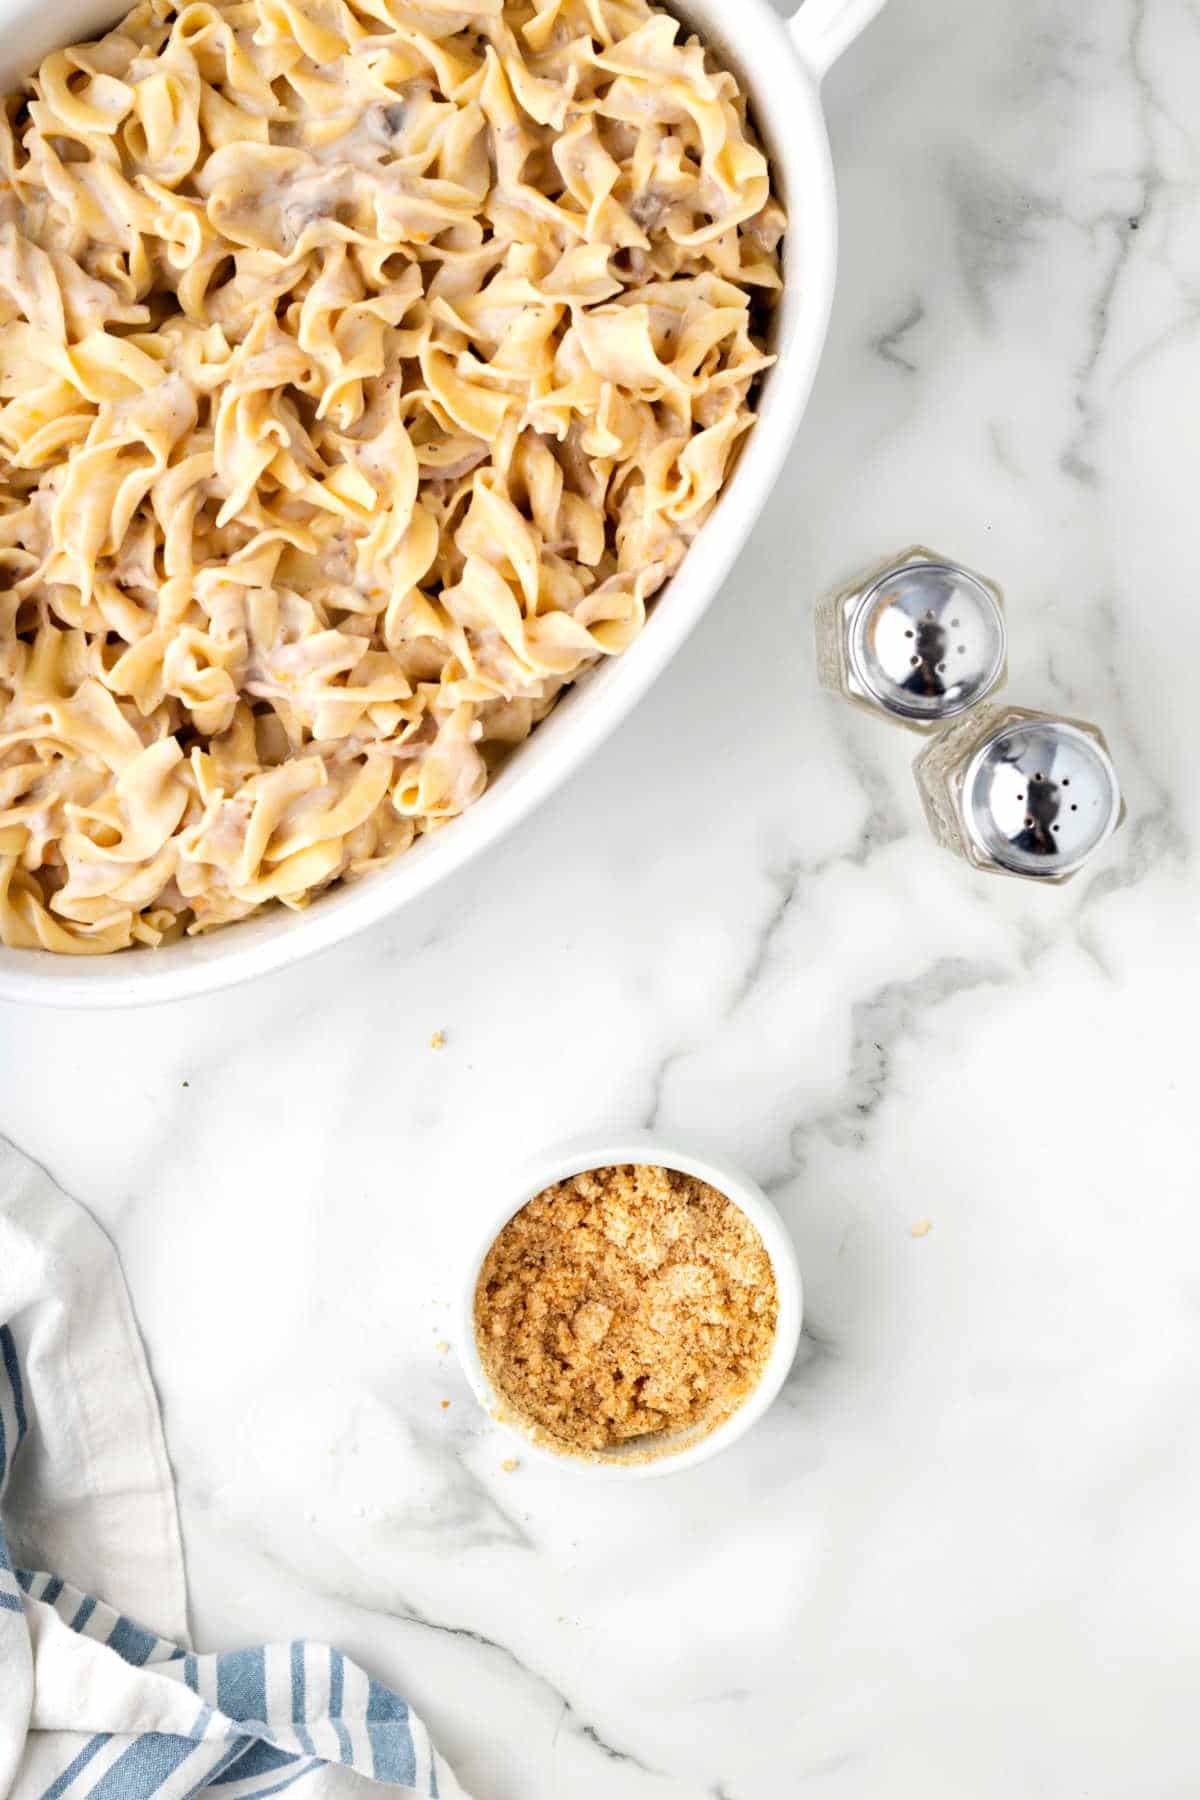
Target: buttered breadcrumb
x=622 y=1303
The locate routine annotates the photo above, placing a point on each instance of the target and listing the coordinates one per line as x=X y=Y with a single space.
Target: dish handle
x=822 y=29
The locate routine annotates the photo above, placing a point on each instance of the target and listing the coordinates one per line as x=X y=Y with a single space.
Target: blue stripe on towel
x=256 y=1759
x=73 y=1768
x=141 y=1770
x=248 y=1758
x=131 y=1643
x=8 y=1351
x=242 y=1684
x=383 y=1705
x=392 y=1752
x=10 y=1602
x=218 y=1768
x=337 y=1688
x=300 y=1698
x=87 y=1607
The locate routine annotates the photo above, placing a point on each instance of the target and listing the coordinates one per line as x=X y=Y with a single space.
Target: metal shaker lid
x=1040 y=796
x=927 y=640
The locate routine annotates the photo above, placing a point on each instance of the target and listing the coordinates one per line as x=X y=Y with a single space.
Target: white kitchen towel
x=93 y=1704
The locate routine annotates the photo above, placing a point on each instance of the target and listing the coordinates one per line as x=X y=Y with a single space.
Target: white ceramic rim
x=564 y=1160
x=782 y=74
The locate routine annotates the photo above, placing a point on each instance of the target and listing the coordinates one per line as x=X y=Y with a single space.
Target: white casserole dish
x=780 y=64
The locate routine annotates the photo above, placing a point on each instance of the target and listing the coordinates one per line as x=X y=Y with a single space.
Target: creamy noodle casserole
x=364 y=369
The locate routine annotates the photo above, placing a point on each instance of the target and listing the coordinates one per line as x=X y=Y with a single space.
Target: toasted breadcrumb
x=625 y=1303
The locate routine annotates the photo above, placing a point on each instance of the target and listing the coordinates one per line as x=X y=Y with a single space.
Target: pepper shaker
x=918 y=639
x=1021 y=793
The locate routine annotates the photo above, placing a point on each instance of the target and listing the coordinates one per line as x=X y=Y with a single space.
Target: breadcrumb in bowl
x=632 y=1308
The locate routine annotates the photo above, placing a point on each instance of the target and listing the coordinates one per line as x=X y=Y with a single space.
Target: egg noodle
x=364 y=369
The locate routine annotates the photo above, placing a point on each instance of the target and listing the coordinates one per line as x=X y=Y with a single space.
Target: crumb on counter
x=509 y=1464
x=624 y=1303
x=444 y=1404
x=922 y=1228
x=438 y=1041
x=441 y=1347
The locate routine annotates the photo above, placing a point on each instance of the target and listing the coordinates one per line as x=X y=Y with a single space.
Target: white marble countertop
x=960 y=1557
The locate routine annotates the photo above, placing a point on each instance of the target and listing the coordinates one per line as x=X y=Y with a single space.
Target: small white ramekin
x=686 y=1449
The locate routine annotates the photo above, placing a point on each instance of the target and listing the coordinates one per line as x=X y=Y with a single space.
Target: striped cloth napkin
x=92 y=1703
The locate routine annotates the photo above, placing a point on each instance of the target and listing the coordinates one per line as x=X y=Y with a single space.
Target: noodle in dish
x=365 y=367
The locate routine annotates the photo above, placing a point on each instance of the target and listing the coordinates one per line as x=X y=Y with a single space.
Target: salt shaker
x=1022 y=793
x=918 y=639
